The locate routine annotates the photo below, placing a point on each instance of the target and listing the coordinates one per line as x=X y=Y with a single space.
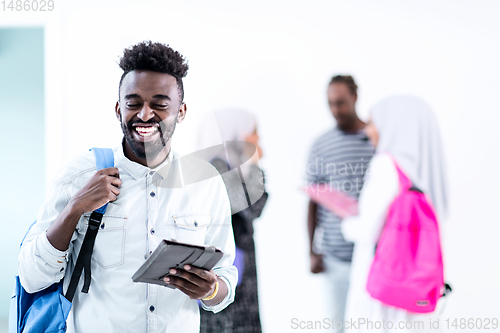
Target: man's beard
x=346 y=123
x=148 y=150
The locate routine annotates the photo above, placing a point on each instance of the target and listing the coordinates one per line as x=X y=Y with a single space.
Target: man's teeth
x=146 y=131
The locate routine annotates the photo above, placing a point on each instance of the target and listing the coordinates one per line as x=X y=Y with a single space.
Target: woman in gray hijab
x=405 y=128
x=236 y=160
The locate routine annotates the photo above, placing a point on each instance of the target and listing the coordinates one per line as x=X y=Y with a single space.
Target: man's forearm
x=311 y=222
x=60 y=232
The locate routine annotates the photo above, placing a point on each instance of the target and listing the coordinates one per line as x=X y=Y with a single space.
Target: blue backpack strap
x=104 y=159
x=32 y=224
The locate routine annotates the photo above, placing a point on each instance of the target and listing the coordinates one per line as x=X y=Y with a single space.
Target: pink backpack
x=407 y=270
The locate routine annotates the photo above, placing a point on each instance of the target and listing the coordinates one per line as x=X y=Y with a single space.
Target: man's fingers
x=112 y=197
x=115 y=181
x=317 y=270
x=197 y=286
x=208 y=276
x=194 y=279
x=110 y=172
x=115 y=190
x=182 y=284
x=189 y=293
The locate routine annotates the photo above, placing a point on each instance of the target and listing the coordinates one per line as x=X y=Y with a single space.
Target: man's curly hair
x=156 y=57
x=348 y=81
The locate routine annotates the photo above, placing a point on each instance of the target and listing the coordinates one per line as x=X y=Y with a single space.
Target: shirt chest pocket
x=191 y=229
x=109 y=247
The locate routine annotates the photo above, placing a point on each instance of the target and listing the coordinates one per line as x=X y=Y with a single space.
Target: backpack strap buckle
x=447 y=290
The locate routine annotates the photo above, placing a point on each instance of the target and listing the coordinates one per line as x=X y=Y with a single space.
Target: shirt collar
x=135 y=169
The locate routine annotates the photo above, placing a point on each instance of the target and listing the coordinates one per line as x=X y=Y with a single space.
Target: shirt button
x=152 y=194
x=151 y=308
x=151 y=173
x=152 y=231
x=195 y=223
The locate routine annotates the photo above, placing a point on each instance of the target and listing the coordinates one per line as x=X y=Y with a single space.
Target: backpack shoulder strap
x=404 y=182
x=26 y=234
x=104 y=159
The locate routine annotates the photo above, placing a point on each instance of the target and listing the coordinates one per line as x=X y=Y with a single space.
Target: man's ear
x=182 y=113
x=117 y=110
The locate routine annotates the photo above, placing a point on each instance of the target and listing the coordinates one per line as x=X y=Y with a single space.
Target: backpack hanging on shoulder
x=46 y=311
x=407 y=270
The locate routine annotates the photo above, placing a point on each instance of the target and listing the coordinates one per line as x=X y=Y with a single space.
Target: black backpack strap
x=104 y=158
x=447 y=290
x=84 y=257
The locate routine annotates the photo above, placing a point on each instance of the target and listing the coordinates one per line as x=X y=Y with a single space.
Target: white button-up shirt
x=182 y=199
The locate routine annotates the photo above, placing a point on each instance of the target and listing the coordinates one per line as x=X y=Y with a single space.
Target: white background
x=275 y=59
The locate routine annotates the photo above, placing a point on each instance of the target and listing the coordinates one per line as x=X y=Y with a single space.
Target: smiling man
x=148 y=202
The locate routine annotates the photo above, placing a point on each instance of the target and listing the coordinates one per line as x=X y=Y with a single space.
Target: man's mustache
x=161 y=127
x=131 y=123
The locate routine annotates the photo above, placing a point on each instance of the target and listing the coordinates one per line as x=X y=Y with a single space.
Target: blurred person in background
x=406 y=128
x=238 y=125
x=339 y=158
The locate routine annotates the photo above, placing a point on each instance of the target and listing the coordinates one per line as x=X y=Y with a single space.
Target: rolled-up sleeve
x=220 y=235
x=39 y=263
